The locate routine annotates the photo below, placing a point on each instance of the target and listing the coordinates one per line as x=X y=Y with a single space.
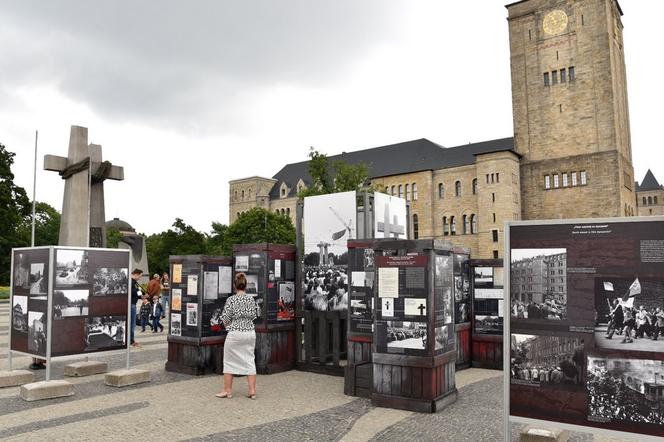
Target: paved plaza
x=292 y=406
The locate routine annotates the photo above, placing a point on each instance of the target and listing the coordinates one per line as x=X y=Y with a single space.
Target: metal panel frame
x=507 y=346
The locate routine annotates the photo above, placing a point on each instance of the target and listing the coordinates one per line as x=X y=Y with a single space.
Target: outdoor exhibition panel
x=270 y=271
x=200 y=286
x=325 y=223
x=462 y=306
x=487 y=315
x=586 y=323
x=414 y=345
x=67 y=301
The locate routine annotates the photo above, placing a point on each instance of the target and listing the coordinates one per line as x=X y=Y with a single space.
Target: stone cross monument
x=83 y=218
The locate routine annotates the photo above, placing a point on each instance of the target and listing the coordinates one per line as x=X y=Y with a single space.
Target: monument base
x=85 y=368
x=124 y=378
x=37 y=391
x=15 y=377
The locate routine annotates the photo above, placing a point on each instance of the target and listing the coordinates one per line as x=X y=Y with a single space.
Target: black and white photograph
x=542 y=360
x=329 y=222
x=390 y=216
x=462 y=299
x=443 y=270
x=630 y=314
x=105 y=332
x=176 y=324
x=409 y=335
x=488 y=324
x=192 y=314
x=37 y=332
x=252 y=285
x=110 y=281
x=538 y=284
x=71 y=267
x=488 y=293
x=20 y=313
x=21 y=271
x=67 y=303
x=369 y=259
x=442 y=337
x=216 y=323
x=483 y=277
x=38 y=279
x=448 y=305
x=359 y=306
x=627 y=390
x=241 y=263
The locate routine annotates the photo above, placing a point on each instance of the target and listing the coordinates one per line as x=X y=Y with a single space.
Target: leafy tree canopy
x=255 y=226
x=331 y=177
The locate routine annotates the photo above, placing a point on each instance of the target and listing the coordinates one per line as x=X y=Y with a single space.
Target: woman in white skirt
x=238 y=317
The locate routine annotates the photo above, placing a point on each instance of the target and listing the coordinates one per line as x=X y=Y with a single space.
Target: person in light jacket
x=238 y=318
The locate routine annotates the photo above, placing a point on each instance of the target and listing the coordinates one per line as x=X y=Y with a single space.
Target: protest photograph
x=542 y=360
x=629 y=314
x=109 y=281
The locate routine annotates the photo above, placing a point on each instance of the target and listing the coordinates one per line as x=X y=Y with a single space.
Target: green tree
x=182 y=240
x=47 y=226
x=216 y=238
x=113 y=237
x=255 y=226
x=337 y=176
x=14 y=208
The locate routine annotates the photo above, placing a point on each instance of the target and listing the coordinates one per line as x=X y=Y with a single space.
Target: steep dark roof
x=649 y=183
x=396 y=159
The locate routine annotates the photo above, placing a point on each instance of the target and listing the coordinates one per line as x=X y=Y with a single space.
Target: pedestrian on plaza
x=154 y=286
x=146 y=313
x=238 y=317
x=157 y=310
x=135 y=296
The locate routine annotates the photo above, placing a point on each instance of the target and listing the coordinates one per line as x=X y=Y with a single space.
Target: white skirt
x=239 y=355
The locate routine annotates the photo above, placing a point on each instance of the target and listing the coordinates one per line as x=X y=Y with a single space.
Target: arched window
x=235 y=196
x=654 y=200
x=392 y=190
x=465 y=228
x=446 y=226
x=644 y=201
x=414 y=191
x=474 y=186
x=457 y=188
x=288 y=211
x=238 y=214
x=400 y=191
x=387 y=189
x=650 y=201
x=243 y=194
x=407 y=192
x=416 y=227
x=473 y=223
x=452 y=225
x=249 y=193
x=441 y=190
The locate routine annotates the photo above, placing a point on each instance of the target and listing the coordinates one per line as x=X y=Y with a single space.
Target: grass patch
x=4 y=292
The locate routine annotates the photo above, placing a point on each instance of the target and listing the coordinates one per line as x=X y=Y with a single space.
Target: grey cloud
x=172 y=62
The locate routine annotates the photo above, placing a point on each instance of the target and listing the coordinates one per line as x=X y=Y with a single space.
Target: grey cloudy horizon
x=189 y=95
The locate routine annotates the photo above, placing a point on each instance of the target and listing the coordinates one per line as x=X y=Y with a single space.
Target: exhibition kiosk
x=487 y=315
x=200 y=286
x=68 y=301
x=462 y=306
x=414 y=346
x=585 y=321
x=270 y=271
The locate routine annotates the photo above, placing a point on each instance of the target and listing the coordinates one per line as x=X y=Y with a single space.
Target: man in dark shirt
x=136 y=293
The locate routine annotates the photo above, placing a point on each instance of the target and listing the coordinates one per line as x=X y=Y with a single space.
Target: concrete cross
x=390 y=228
x=83 y=221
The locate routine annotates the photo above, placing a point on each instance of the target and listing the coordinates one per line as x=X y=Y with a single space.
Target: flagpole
x=34 y=191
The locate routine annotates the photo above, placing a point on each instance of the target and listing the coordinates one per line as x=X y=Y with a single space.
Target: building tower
x=569 y=99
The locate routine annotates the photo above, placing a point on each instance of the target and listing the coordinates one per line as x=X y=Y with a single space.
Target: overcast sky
x=187 y=95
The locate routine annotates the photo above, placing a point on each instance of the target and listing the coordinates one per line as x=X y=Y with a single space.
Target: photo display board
x=88 y=293
x=461 y=288
x=253 y=264
x=488 y=299
x=329 y=222
x=200 y=286
x=403 y=298
x=362 y=276
x=586 y=316
x=390 y=216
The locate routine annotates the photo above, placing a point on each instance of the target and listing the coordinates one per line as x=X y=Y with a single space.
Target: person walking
x=154 y=286
x=146 y=313
x=157 y=311
x=238 y=317
x=135 y=296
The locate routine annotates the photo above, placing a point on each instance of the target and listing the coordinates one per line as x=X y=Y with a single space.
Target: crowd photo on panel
x=326 y=288
x=631 y=323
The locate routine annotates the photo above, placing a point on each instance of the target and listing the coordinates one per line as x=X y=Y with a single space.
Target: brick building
x=649 y=196
x=540 y=279
x=547 y=351
x=570 y=156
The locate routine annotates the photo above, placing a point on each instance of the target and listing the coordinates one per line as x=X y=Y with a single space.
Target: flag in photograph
x=634 y=289
x=608 y=286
